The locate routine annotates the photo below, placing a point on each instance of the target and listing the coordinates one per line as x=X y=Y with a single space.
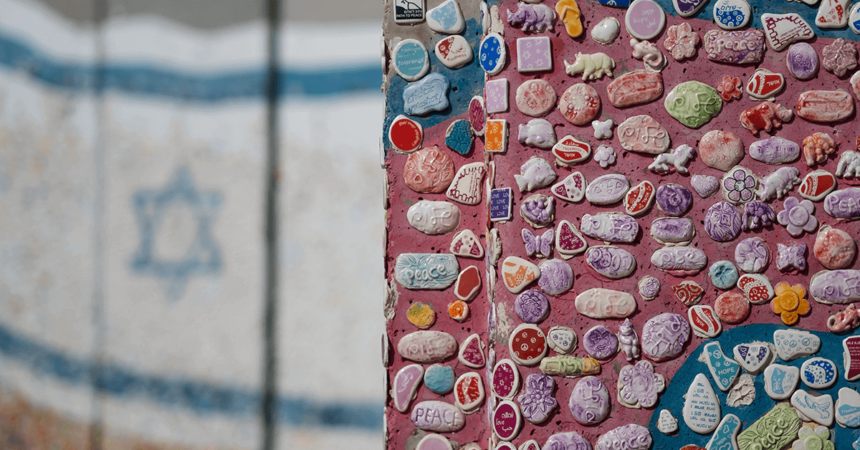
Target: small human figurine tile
x=535 y=173
x=818 y=408
x=531 y=18
x=605 y=156
x=705 y=185
x=753 y=357
x=501 y=204
x=496 y=92
x=410 y=60
x=572 y=188
x=534 y=54
x=538 y=210
x=629 y=340
x=538 y=245
x=644 y=19
x=790 y=258
x=496 y=137
x=682 y=42
x=780 y=381
x=602 y=128
x=570 y=150
x=782 y=30
x=790 y=302
x=606 y=31
x=446 y=18
x=537 y=402
x=678 y=159
x=639 y=386
x=818 y=373
x=848 y=408
x=646 y=51
x=797 y=216
x=802 y=61
x=730 y=88
x=732 y=14
x=839 y=57
x=592 y=66
x=570 y=15
x=764 y=84
x=849 y=165
x=569 y=242
x=505 y=379
x=492 y=54
x=649 y=287
x=607 y=189
x=701 y=406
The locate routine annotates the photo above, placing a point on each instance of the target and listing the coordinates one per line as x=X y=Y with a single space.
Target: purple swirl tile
x=663 y=336
x=627 y=437
x=674 y=199
x=531 y=306
x=723 y=222
x=610 y=227
x=599 y=342
x=556 y=277
x=537 y=402
x=609 y=261
x=649 y=287
x=589 y=401
x=752 y=255
x=570 y=440
x=672 y=230
x=802 y=61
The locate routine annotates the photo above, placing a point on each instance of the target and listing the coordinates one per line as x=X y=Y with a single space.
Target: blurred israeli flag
x=155 y=291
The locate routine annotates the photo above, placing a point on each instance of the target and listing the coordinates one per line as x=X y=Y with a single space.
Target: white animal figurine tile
x=791 y=344
x=780 y=381
x=753 y=357
x=701 y=406
x=818 y=373
x=817 y=408
x=847 y=408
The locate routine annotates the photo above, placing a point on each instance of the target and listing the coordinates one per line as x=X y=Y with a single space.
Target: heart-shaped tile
x=606 y=31
x=471 y=352
x=467 y=245
x=752 y=357
x=572 y=188
x=818 y=408
x=705 y=185
x=687 y=8
x=568 y=241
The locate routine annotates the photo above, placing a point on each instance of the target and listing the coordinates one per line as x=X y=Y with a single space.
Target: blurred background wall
x=138 y=263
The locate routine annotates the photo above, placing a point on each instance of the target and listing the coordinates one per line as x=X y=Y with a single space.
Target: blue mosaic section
x=673 y=398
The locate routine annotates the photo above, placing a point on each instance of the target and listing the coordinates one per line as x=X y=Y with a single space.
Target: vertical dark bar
x=100 y=8
x=270 y=388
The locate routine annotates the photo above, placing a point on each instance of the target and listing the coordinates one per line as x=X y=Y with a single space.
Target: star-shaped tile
x=162 y=215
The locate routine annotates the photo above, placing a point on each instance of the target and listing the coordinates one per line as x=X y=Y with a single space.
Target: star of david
x=201 y=255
